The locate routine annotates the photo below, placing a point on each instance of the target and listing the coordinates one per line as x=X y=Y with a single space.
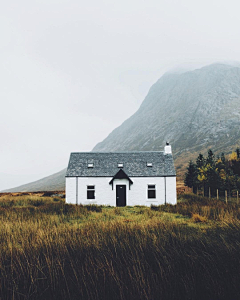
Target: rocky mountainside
x=194 y=111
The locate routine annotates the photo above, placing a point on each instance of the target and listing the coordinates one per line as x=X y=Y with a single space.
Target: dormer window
x=120 y=165
x=149 y=164
x=90 y=165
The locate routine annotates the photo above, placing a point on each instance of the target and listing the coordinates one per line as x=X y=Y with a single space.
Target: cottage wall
x=105 y=194
x=171 y=190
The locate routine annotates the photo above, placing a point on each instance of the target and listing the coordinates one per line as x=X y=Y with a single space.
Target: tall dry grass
x=51 y=250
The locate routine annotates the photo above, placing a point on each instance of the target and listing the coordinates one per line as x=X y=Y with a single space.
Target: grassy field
x=51 y=250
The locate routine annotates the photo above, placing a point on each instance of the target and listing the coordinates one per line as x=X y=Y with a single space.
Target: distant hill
x=8 y=180
x=194 y=111
x=55 y=182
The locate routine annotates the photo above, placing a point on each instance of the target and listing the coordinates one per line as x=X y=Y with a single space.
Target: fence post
x=226 y=196
x=209 y=193
x=237 y=196
x=217 y=195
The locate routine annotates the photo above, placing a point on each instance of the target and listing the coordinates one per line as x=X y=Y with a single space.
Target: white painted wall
x=171 y=190
x=104 y=195
x=71 y=190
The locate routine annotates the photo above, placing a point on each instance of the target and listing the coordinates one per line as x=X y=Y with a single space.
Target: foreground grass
x=50 y=250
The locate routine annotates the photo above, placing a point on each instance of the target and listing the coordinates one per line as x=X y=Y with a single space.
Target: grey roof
x=134 y=164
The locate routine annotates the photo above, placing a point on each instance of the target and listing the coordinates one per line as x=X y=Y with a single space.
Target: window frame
x=151 y=189
x=91 y=190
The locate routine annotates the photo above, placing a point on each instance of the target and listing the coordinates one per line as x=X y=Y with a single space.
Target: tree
x=212 y=178
x=238 y=153
x=234 y=163
x=223 y=159
x=202 y=178
x=191 y=176
x=200 y=162
x=230 y=182
x=215 y=173
x=210 y=158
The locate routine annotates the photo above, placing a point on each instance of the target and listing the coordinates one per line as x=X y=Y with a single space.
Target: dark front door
x=121 y=195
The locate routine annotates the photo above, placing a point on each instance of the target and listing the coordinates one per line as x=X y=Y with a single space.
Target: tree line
x=213 y=173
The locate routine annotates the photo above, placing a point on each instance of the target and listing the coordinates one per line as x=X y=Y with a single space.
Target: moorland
x=53 y=250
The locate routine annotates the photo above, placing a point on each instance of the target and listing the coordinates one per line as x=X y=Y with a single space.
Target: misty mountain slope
x=55 y=182
x=194 y=110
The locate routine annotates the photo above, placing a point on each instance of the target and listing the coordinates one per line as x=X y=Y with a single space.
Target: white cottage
x=121 y=178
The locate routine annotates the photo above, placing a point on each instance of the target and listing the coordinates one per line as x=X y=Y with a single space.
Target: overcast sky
x=71 y=70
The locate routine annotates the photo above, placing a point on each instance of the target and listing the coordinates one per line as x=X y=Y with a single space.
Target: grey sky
x=71 y=71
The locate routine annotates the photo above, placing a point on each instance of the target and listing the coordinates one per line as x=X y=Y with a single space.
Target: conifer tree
x=210 y=158
x=191 y=176
x=200 y=161
x=223 y=159
x=217 y=173
x=238 y=153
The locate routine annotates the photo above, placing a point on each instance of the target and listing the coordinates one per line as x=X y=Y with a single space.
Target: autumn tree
x=214 y=172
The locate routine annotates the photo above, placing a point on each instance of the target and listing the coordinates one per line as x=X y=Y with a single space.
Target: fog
x=71 y=71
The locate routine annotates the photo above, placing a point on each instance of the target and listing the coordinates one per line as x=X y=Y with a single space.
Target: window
x=90 y=192
x=90 y=165
x=149 y=164
x=120 y=165
x=151 y=191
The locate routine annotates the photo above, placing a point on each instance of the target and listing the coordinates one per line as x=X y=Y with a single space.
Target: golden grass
x=51 y=250
x=198 y=219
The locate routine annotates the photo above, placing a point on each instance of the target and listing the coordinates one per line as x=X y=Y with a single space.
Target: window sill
x=153 y=200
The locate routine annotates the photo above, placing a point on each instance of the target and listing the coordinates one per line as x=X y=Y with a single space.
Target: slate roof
x=105 y=164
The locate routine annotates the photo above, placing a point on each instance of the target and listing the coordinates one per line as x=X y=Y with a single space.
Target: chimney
x=167 y=149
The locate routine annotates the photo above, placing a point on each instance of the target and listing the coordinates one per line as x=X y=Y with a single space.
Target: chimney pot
x=167 y=149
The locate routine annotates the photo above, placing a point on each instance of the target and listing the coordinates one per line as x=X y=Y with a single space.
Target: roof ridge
x=116 y=152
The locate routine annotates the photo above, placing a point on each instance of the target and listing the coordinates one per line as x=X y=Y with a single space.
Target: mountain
x=194 y=111
x=9 y=180
x=55 y=182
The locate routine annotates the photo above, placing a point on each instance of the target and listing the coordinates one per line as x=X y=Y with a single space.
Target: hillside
x=194 y=111
x=55 y=182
